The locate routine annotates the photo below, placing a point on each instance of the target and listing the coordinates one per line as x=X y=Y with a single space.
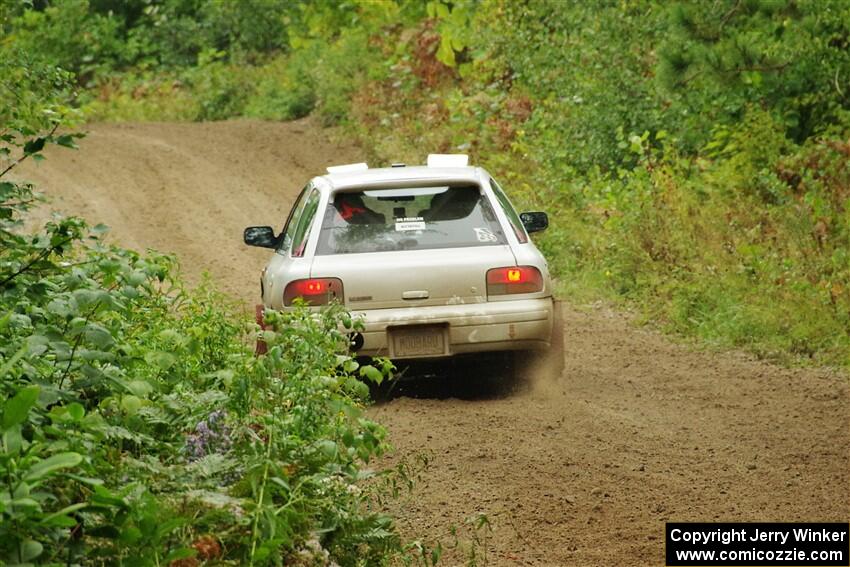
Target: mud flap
x=261 y=347
x=542 y=364
x=555 y=362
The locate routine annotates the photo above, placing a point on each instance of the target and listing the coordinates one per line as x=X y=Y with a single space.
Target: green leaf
x=357 y=387
x=139 y=388
x=66 y=140
x=436 y=553
x=13 y=441
x=34 y=146
x=105 y=497
x=160 y=359
x=131 y=404
x=15 y=410
x=328 y=448
x=30 y=549
x=130 y=535
x=63 y=513
x=372 y=373
x=350 y=365
x=4 y=320
x=60 y=522
x=165 y=528
x=98 y=336
x=25 y=502
x=445 y=53
x=12 y=361
x=60 y=307
x=52 y=464
x=84 y=479
x=76 y=411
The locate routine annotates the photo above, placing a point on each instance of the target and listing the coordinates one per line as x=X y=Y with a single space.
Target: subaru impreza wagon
x=434 y=259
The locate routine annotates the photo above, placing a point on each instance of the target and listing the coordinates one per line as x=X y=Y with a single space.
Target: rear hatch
x=411 y=246
x=382 y=280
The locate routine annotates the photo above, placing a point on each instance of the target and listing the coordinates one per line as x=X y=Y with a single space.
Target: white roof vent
x=448 y=160
x=348 y=167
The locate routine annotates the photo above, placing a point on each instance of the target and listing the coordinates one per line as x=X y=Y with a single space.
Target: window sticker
x=485 y=235
x=409 y=223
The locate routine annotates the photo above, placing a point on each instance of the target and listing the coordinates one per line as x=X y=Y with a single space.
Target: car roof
x=394 y=176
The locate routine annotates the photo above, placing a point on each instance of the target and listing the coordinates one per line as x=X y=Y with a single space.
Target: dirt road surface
x=584 y=470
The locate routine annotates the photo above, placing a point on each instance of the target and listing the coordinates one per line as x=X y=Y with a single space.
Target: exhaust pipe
x=355 y=341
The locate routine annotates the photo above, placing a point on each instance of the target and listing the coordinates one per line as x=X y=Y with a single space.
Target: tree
x=790 y=57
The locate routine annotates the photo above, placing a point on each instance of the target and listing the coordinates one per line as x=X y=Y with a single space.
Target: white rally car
x=434 y=258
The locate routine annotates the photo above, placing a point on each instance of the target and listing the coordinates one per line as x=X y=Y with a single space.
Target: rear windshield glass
x=413 y=218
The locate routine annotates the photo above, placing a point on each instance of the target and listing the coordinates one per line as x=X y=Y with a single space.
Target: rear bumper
x=479 y=327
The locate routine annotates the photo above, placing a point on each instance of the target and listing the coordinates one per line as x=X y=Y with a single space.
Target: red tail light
x=315 y=291
x=514 y=279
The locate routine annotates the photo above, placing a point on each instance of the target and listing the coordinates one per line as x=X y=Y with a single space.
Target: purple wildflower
x=211 y=435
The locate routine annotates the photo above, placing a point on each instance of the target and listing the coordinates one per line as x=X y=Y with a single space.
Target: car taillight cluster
x=314 y=291
x=514 y=279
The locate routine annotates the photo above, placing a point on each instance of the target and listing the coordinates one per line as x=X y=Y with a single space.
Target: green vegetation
x=136 y=425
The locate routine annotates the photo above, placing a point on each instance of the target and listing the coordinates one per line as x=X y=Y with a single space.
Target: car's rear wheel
x=494 y=374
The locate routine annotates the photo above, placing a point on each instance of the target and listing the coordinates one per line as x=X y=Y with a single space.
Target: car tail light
x=315 y=291
x=514 y=279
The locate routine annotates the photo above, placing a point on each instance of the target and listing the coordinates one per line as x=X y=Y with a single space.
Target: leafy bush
x=137 y=426
x=142 y=97
x=69 y=36
x=219 y=89
x=284 y=91
x=790 y=57
x=738 y=250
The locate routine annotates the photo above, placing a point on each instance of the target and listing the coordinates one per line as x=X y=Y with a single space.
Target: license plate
x=416 y=341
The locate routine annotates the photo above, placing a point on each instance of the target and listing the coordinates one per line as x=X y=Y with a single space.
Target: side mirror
x=534 y=222
x=262 y=236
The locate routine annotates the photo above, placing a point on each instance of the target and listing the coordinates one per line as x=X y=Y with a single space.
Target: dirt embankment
x=583 y=471
x=189 y=189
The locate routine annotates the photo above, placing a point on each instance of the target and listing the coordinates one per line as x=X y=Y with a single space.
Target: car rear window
x=510 y=212
x=411 y=218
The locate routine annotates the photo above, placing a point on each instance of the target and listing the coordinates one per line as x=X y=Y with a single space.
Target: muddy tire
x=487 y=375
